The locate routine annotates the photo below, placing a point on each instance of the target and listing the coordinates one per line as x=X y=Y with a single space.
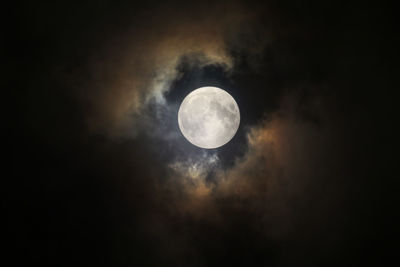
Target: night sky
x=98 y=173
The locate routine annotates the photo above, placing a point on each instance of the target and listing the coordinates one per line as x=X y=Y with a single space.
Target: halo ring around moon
x=209 y=117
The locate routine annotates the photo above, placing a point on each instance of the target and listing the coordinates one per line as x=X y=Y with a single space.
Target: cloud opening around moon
x=124 y=99
x=125 y=94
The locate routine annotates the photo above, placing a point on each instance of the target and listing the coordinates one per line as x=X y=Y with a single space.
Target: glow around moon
x=209 y=117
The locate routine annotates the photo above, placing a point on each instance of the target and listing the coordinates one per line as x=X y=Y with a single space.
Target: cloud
x=282 y=188
x=138 y=63
x=288 y=155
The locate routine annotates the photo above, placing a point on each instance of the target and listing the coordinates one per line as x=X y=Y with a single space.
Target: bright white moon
x=209 y=117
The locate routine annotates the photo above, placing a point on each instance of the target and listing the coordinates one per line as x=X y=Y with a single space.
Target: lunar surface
x=209 y=117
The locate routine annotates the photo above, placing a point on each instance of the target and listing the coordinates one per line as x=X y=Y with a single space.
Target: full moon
x=208 y=117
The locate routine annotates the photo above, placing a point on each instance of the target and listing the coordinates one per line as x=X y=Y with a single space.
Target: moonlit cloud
x=285 y=154
x=132 y=68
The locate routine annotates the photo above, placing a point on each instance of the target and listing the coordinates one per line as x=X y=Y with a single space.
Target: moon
x=209 y=117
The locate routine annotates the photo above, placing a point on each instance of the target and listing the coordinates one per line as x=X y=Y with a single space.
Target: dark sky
x=98 y=173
